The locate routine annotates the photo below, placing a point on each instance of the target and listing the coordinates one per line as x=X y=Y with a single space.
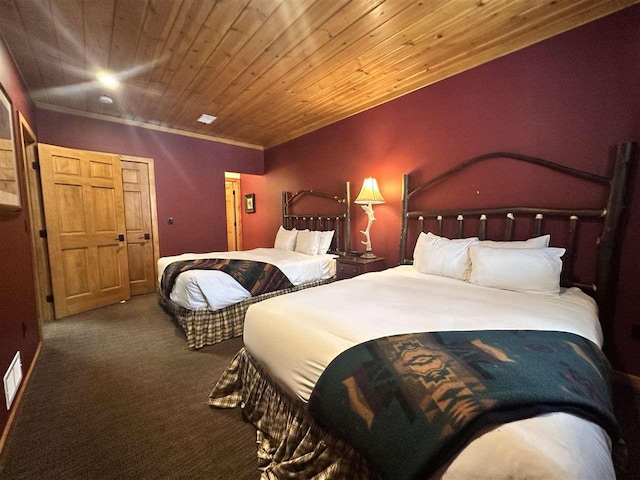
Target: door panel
x=104 y=205
x=138 y=217
x=109 y=277
x=76 y=269
x=84 y=214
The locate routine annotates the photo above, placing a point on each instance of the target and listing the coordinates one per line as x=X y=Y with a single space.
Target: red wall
x=189 y=174
x=18 y=314
x=569 y=99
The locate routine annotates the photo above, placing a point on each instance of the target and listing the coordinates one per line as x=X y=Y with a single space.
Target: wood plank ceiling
x=270 y=70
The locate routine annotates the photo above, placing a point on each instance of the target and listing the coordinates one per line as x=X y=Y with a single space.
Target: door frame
x=40 y=257
x=154 y=207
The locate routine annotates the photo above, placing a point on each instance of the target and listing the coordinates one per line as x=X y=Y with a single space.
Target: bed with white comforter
x=291 y=339
x=210 y=305
x=213 y=289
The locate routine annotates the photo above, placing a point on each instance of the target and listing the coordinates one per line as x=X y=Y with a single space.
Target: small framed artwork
x=250 y=203
x=9 y=187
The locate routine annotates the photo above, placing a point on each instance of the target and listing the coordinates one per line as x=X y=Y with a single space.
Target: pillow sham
x=308 y=242
x=442 y=256
x=285 y=239
x=325 y=241
x=528 y=270
x=535 y=242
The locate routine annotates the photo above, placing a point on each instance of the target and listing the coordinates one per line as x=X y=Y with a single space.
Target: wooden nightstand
x=348 y=266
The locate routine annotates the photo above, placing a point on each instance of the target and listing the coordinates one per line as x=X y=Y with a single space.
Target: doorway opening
x=234 y=210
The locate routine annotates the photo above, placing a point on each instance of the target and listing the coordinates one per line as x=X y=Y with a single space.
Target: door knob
x=120 y=238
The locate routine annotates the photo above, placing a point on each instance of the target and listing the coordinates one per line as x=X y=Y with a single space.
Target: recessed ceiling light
x=105 y=99
x=108 y=80
x=207 y=119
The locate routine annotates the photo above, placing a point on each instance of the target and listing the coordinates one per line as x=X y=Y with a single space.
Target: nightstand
x=348 y=266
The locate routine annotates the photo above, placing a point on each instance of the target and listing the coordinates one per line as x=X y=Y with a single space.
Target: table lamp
x=368 y=196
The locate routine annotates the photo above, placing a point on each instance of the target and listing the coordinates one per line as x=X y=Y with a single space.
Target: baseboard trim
x=627 y=378
x=18 y=399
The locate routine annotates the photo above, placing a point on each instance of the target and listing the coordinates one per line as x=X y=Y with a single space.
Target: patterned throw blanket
x=410 y=402
x=256 y=277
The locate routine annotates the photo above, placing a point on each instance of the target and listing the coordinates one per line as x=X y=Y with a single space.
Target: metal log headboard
x=608 y=247
x=340 y=222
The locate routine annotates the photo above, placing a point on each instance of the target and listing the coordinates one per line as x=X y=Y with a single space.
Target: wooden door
x=234 y=214
x=42 y=279
x=84 y=214
x=137 y=208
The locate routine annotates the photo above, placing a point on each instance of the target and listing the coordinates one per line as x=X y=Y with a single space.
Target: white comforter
x=214 y=289
x=294 y=337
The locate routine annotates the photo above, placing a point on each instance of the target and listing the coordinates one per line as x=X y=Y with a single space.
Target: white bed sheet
x=296 y=336
x=214 y=289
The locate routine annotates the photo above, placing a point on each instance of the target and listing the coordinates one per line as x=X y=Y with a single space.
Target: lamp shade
x=370 y=192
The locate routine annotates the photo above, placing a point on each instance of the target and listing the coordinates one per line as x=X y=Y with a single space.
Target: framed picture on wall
x=250 y=203
x=9 y=187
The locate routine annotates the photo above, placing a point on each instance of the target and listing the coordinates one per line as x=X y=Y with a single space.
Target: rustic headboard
x=611 y=215
x=340 y=221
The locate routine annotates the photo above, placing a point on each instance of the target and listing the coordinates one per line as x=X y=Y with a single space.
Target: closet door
x=84 y=214
x=139 y=223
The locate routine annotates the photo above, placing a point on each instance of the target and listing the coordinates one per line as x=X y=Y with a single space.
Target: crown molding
x=149 y=126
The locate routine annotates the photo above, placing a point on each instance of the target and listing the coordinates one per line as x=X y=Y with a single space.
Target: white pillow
x=535 y=242
x=285 y=239
x=325 y=241
x=529 y=270
x=441 y=256
x=308 y=242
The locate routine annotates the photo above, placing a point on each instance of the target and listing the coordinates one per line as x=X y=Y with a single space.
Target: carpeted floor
x=116 y=394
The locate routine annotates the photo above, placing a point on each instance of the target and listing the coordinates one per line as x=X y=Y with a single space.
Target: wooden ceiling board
x=97 y=33
x=40 y=34
x=67 y=19
x=270 y=70
x=321 y=48
x=158 y=23
x=207 y=46
x=12 y=28
x=246 y=81
x=382 y=44
x=410 y=53
x=252 y=32
x=128 y=22
x=189 y=22
x=208 y=88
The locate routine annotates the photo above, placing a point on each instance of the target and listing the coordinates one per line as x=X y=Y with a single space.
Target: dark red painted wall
x=569 y=99
x=189 y=174
x=18 y=314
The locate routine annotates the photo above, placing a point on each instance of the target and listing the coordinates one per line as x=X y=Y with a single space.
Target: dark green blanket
x=410 y=402
x=256 y=277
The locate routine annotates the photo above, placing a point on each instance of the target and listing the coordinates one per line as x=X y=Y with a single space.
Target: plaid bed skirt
x=207 y=327
x=290 y=444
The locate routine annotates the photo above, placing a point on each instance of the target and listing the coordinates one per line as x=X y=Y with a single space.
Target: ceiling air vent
x=207 y=119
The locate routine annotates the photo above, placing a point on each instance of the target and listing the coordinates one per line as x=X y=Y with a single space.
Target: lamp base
x=368 y=255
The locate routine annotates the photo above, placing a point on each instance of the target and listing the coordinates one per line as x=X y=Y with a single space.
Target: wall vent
x=12 y=379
